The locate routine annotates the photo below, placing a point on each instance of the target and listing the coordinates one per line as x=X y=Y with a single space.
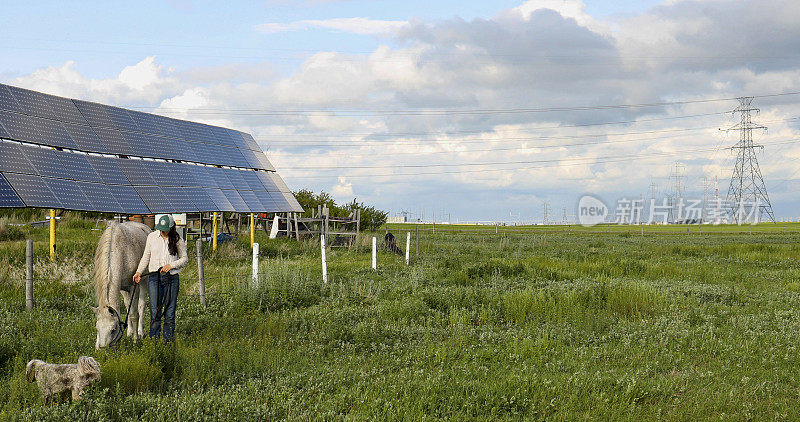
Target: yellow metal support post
x=52 y=235
x=214 y=234
x=252 y=229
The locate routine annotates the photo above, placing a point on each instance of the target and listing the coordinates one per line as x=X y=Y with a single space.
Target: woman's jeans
x=163 y=292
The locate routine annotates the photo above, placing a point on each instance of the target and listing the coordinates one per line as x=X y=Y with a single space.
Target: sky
x=460 y=110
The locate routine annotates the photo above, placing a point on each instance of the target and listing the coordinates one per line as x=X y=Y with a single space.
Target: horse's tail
x=102 y=264
x=30 y=370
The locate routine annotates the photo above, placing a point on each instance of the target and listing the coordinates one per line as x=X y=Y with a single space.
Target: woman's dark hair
x=172 y=241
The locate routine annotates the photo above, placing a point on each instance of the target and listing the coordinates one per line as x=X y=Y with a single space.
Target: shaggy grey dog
x=54 y=378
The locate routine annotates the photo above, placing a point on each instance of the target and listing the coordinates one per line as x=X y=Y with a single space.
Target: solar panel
x=296 y=207
x=180 y=198
x=220 y=200
x=264 y=163
x=251 y=180
x=236 y=200
x=108 y=169
x=235 y=157
x=220 y=178
x=13 y=159
x=141 y=144
x=32 y=103
x=85 y=138
x=279 y=182
x=202 y=176
x=99 y=195
x=183 y=175
x=204 y=134
x=266 y=199
x=222 y=136
x=128 y=199
x=172 y=148
x=121 y=119
x=33 y=190
x=113 y=141
x=250 y=142
x=94 y=113
x=19 y=127
x=69 y=194
x=250 y=157
x=147 y=123
x=53 y=133
x=9 y=198
x=267 y=181
x=7 y=101
x=64 y=110
x=76 y=166
x=3 y=133
x=236 y=178
x=136 y=172
x=155 y=199
x=218 y=154
x=161 y=172
x=251 y=200
x=187 y=130
x=203 y=152
x=44 y=161
x=201 y=200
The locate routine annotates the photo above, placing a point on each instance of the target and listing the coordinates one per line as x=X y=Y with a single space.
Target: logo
x=591 y=211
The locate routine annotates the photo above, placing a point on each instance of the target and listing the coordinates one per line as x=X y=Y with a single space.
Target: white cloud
x=360 y=26
x=343 y=190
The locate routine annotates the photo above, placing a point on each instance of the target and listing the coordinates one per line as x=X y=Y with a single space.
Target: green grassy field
x=530 y=323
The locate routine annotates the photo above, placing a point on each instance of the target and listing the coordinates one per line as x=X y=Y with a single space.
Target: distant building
x=398 y=219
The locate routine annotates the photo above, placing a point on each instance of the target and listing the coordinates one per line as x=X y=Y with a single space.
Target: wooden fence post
x=201 y=277
x=29 y=274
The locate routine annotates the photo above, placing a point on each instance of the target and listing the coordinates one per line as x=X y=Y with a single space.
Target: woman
x=164 y=257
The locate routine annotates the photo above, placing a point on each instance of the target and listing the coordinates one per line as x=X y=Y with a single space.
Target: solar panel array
x=61 y=153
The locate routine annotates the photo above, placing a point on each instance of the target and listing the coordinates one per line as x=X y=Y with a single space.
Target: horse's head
x=110 y=328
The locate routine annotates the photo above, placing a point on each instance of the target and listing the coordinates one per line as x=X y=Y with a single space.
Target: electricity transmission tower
x=677 y=195
x=747 y=185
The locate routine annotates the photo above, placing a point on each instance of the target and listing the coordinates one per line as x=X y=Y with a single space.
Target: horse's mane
x=102 y=265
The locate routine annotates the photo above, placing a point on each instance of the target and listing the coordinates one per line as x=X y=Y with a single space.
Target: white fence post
x=374 y=253
x=255 y=264
x=201 y=278
x=324 y=259
x=29 y=274
x=408 y=246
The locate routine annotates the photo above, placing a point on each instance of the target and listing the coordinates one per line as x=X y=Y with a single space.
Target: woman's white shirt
x=156 y=254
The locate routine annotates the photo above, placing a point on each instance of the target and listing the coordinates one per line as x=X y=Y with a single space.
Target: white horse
x=118 y=253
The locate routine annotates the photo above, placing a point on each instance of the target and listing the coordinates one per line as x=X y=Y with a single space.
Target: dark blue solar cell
x=3 y=133
x=203 y=152
x=145 y=121
x=69 y=194
x=121 y=119
x=250 y=158
x=32 y=103
x=168 y=127
x=44 y=161
x=53 y=133
x=183 y=175
x=267 y=181
x=181 y=149
x=264 y=162
x=65 y=110
x=108 y=169
x=76 y=166
x=9 y=198
x=33 y=190
x=251 y=180
x=237 y=180
x=205 y=134
x=20 y=127
x=220 y=200
x=100 y=197
x=7 y=101
x=161 y=172
x=220 y=178
x=281 y=203
x=235 y=157
x=187 y=130
x=236 y=200
x=95 y=114
x=250 y=142
x=113 y=141
x=266 y=199
x=128 y=199
x=201 y=200
x=222 y=136
x=13 y=159
x=252 y=201
x=202 y=176
x=85 y=138
x=180 y=198
x=155 y=199
x=136 y=171
x=141 y=144
x=296 y=207
x=237 y=139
